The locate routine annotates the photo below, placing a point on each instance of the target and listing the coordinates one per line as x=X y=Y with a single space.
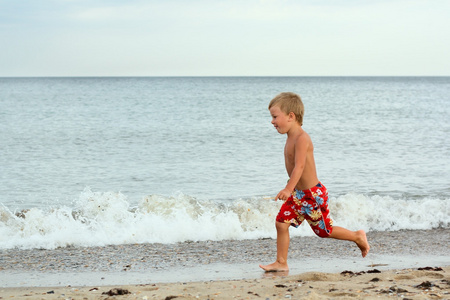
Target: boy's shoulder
x=302 y=138
x=302 y=135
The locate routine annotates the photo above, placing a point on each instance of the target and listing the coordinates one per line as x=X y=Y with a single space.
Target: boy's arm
x=300 y=150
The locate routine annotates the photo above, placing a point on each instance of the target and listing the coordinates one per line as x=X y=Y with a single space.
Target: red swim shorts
x=311 y=205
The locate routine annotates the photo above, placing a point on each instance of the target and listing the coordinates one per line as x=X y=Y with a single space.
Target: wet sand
x=226 y=269
x=428 y=283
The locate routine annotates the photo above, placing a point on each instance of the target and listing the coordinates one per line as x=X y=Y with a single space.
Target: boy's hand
x=284 y=194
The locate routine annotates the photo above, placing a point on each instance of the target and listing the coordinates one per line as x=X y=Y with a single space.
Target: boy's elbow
x=299 y=168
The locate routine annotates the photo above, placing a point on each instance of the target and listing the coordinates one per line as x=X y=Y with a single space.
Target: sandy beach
x=408 y=264
x=427 y=283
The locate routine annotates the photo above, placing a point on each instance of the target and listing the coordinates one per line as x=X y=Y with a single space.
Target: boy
x=304 y=195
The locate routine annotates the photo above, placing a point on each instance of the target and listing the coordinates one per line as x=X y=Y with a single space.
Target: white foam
x=99 y=219
x=385 y=213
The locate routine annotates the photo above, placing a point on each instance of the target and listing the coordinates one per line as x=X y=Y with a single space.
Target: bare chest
x=289 y=153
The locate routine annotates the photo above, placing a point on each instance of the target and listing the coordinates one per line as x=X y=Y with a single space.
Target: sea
x=123 y=160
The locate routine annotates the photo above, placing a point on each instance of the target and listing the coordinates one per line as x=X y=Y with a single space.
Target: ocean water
x=97 y=161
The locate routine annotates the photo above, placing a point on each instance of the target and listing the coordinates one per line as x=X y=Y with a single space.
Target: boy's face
x=280 y=120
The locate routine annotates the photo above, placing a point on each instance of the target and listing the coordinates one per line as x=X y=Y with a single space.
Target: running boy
x=304 y=196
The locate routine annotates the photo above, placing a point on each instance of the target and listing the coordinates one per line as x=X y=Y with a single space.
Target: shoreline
x=217 y=260
x=217 y=272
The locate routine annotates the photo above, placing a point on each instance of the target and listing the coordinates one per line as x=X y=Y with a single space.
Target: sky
x=224 y=38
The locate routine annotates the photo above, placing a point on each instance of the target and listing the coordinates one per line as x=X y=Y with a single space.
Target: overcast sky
x=224 y=38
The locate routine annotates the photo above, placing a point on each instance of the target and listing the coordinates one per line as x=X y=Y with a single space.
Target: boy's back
x=300 y=145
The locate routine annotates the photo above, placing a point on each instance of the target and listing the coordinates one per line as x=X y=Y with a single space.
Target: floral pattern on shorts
x=311 y=205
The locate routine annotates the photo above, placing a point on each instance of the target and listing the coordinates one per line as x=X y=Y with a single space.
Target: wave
x=107 y=218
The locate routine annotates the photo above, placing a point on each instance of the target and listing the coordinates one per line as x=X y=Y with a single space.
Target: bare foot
x=275 y=267
x=362 y=243
x=274 y=275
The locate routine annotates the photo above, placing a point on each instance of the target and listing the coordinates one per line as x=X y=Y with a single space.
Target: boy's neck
x=295 y=130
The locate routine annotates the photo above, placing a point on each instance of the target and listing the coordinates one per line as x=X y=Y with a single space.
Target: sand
x=432 y=283
x=320 y=269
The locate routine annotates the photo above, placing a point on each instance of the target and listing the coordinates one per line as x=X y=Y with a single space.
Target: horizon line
x=215 y=76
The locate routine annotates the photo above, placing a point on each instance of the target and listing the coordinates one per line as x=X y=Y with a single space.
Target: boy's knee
x=282 y=225
x=325 y=233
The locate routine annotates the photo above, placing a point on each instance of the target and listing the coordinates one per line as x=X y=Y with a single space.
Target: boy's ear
x=292 y=116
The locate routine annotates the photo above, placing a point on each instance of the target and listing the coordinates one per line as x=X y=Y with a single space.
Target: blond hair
x=289 y=102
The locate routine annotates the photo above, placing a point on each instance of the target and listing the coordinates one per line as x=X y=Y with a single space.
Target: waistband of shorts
x=314 y=188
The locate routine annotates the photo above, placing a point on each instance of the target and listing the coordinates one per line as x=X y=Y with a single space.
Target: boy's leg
x=282 y=249
x=359 y=237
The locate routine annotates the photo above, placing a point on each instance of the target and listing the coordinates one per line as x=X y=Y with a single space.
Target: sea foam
x=105 y=218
